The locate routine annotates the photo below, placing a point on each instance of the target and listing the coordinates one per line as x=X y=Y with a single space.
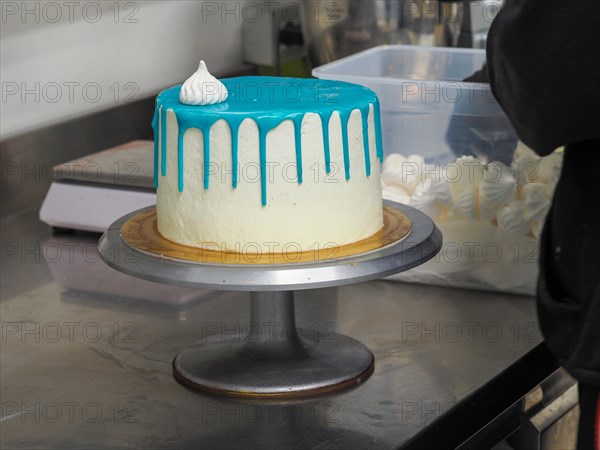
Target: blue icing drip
x=180 y=135
x=204 y=124
x=344 y=118
x=378 y=133
x=269 y=101
x=365 y=131
x=298 y=139
x=234 y=124
x=163 y=141
x=206 y=136
x=155 y=129
x=262 y=139
x=325 y=124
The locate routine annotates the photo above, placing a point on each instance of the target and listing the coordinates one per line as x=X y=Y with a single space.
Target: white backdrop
x=63 y=59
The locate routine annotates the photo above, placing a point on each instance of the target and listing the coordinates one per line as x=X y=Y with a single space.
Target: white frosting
x=202 y=88
x=325 y=209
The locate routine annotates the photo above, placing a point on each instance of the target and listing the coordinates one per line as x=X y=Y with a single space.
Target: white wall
x=63 y=60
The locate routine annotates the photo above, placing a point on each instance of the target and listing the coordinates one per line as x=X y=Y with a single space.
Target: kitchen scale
x=92 y=192
x=270 y=358
x=89 y=194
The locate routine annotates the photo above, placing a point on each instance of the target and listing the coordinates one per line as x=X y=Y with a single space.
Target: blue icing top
x=268 y=101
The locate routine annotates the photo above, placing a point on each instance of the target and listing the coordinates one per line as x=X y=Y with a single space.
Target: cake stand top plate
x=143 y=257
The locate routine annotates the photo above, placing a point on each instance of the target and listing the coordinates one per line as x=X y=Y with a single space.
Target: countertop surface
x=86 y=356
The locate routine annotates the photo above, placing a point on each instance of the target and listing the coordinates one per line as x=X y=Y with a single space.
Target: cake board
x=272 y=359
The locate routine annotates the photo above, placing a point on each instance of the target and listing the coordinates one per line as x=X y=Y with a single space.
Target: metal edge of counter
x=466 y=426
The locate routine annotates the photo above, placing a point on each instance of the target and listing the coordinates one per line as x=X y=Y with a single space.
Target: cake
x=267 y=164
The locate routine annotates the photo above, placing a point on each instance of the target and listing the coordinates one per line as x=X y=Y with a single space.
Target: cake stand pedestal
x=271 y=358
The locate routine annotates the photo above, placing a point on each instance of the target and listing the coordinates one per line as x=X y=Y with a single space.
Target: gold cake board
x=141 y=232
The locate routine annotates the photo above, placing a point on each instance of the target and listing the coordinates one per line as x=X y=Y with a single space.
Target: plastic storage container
x=452 y=152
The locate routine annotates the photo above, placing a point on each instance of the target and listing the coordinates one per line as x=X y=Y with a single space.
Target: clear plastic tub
x=420 y=91
x=452 y=152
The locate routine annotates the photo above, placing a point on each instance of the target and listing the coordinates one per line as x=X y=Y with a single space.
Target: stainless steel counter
x=86 y=358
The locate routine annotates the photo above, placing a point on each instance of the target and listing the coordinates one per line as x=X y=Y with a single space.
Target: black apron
x=543 y=65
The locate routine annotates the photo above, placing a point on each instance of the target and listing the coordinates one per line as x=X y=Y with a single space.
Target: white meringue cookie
x=391 y=170
x=392 y=162
x=440 y=190
x=464 y=172
x=396 y=194
x=425 y=204
x=485 y=210
x=393 y=177
x=465 y=204
x=525 y=165
x=202 y=89
x=537 y=228
x=433 y=172
x=536 y=202
x=510 y=218
x=550 y=167
x=404 y=172
x=496 y=189
x=524 y=152
x=424 y=200
x=412 y=171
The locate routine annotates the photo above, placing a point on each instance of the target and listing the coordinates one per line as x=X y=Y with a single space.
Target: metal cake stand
x=272 y=359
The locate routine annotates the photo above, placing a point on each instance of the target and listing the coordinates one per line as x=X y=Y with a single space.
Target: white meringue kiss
x=396 y=194
x=440 y=190
x=510 y=218
x=498 y=185
x=403 y=172
x=465 y=204
x=202 y=89
x=550 y=167
x=525 y=165
x=425 y=200
x=466 y=171
x=537 y=202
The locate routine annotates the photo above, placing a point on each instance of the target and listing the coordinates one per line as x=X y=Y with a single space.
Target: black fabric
x=589 y=399
x=569 y=283
x=543 y=60
x=481 y=76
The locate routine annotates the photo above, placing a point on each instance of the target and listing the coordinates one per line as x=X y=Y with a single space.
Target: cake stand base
x=271 y=358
